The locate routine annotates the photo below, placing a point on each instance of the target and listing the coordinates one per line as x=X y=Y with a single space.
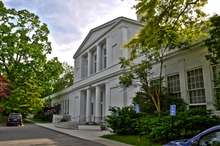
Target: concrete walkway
x=92 y=133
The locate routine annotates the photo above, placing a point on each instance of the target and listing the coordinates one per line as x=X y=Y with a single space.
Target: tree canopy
x=24 y=46
x=167 y=25
x=213 y=41
x=4 y=88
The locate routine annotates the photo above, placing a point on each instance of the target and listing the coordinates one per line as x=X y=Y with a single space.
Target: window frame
x=191 y=90
x=175 y=93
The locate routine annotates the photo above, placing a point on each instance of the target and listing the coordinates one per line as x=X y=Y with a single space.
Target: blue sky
x=70 y=20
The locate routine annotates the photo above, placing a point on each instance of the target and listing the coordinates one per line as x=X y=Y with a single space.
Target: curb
x=98 y=140
x=66 y=134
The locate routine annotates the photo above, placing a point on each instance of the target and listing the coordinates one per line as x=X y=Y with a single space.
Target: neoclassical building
x=96 y=83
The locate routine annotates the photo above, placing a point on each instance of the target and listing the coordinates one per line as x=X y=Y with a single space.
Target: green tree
x=167 y=25
x=213 y=45
x=213 y=42
x=23 y=48
x=66 y=79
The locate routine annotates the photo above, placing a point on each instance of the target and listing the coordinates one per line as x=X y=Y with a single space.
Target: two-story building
x=96 y=85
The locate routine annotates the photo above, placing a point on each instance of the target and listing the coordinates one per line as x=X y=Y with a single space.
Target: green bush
x=123 y=120
x=46 y=117
x=185 y=124
x=147 y=106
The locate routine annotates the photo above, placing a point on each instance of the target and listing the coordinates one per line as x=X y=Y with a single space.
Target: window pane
x=174 y=85
x=196 y=86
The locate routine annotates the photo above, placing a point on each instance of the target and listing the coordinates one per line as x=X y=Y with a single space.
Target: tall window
x=94 y=62
x=103 y=55
x=196 y=86
x=173 y=82
x=84 y=66
x=216 y=80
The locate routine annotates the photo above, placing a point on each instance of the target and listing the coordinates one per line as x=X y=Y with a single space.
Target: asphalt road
x=32 y=135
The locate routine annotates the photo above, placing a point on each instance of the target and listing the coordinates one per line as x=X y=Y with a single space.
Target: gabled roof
x=97 y=32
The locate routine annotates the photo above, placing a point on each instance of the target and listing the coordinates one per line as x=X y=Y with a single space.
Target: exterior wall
x=90 y=98
x=184 y=61
x=87 y=90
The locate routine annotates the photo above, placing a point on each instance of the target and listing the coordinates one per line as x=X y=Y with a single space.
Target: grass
x=131 y=139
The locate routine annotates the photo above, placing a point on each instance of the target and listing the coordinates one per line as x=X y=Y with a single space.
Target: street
x=32 y=135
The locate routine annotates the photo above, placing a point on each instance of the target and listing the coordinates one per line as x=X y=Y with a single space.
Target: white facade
x=96 y=87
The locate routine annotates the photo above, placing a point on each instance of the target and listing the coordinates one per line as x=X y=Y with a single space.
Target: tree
x=213 y=42
x=4 y=88
x=213 y=45
x=24 y=46
x=66 y=79
x=167 y=25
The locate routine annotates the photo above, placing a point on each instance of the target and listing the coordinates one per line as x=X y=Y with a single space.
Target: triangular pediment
x=96 y=33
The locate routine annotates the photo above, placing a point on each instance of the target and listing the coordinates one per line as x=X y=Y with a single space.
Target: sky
x=69 y=21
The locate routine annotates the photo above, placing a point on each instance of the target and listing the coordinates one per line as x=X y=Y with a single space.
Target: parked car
x=14 y=119
x=209 y=137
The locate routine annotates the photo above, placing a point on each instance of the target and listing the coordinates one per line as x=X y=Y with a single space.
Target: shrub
x=186 y=124
x=123 y=120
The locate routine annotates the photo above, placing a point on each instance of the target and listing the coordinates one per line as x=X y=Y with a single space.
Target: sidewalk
x=92 y=133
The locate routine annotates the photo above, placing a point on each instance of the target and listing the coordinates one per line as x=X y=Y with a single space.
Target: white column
x=109 y=51
x=125 y=52
x=97 y=104
x=88 y=103
x=107 y=99
x=98 y=66
x=89 y=62
x=208 y=86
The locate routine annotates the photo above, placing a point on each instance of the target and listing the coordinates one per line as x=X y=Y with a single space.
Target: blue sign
x=173 y=110
x=137 y=108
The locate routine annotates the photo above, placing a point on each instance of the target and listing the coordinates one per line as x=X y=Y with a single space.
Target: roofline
x=103 y=25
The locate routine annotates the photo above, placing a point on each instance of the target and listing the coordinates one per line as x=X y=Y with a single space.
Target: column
x=125 y=52
x=88 y=102
x=109 y=51
x=89 y=62
x=210 y=99
x=98 y=66
x=97 y=104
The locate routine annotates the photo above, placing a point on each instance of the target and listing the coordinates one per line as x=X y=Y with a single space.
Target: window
x=84 y=66
x=216 y=77
x=155 y=83
x=173 y=82
x=103 y=55
x=210 y=139
x=196 y=86
x=94 y=62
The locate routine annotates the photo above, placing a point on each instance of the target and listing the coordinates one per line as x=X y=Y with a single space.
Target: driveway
x=32 y=135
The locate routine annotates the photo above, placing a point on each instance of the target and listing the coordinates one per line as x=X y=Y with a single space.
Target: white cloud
x=70 y=20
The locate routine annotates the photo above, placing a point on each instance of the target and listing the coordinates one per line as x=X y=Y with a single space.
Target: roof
x=97 y=32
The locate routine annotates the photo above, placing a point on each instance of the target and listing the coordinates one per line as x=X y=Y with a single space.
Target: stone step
x=67 y=125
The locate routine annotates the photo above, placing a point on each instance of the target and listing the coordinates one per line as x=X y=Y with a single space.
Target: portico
x=95 y=103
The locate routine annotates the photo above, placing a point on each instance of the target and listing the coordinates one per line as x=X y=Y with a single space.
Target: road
x=32 y=135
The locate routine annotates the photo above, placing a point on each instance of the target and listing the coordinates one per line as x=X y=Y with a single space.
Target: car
x=14 y=119
x=209 y=137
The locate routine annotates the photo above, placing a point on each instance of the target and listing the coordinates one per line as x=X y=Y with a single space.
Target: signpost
x=172 y=114
x=137 y=108
x=173 y=110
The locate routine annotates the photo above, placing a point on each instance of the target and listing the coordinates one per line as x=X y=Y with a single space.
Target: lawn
x=131 y=139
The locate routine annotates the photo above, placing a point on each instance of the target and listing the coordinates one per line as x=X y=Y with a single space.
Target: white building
x=96 y=87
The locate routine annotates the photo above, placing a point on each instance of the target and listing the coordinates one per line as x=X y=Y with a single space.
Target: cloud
x=70 y=20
